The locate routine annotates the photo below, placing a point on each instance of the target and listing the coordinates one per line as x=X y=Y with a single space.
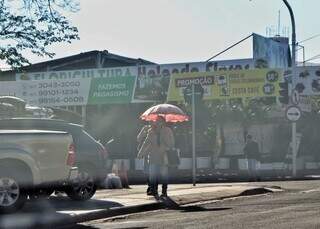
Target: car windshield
x=115 y=107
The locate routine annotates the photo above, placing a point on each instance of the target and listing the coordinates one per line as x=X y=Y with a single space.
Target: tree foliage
x=33 y=25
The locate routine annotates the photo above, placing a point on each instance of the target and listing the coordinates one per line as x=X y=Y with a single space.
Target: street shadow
x=201 y=209
x=92 y=227
x=255 y=191
x=45 y=213
x=65 y=204
x=171 y=204
x=78 y=226
x=33 y=220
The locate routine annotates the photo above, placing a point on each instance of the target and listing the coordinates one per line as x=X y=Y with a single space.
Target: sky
x=172 y=31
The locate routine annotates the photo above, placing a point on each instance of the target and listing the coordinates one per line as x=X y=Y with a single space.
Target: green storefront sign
x=111 y=90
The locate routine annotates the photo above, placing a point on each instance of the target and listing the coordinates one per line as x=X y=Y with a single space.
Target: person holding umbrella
x=158 y=141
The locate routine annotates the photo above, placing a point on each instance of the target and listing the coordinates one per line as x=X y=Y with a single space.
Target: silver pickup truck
x=34 y=160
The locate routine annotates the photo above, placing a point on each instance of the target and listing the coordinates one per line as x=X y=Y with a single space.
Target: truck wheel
x=83 y=188
x=12 y=196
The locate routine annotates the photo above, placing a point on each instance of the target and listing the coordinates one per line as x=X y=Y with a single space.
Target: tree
x=33 y=25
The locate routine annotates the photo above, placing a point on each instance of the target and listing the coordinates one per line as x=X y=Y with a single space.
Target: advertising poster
x=54 y=93
x=269 y=53
x=227 y=84
x=111 y=90
x=153 y=80
x=307 y=80
x=78 y=74
x=76 y=87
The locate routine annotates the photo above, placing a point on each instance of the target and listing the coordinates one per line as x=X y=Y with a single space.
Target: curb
x=112 y=212
x=248 y=192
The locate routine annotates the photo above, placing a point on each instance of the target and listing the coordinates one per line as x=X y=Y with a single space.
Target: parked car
x=33 y=160
x=91 y=154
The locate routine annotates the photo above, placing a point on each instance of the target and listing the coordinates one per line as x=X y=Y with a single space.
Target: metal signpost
x=190 y=97
x=193 y=138
x=293 y=114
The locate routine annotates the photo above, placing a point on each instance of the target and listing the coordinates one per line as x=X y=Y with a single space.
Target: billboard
x=76 y=92
x=62 y=92
x=76 y=87
x=227 y=84
x=269 y=53
x=78 y=74
x=153 y=80
x=307 y=80
x=147 y=83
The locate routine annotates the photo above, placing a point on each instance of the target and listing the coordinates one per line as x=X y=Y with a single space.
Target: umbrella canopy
x=170 y=112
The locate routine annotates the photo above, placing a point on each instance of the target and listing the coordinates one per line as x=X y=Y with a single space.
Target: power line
x=313 y=58
x=310 y=38
x=230 y=47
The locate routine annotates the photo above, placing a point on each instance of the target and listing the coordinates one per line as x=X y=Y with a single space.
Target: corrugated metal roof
x=84 y=60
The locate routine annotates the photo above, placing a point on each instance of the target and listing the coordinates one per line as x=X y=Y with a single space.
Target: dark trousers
x=158 y=174
x=146 y=171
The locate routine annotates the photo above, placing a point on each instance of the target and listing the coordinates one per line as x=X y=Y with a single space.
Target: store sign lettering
x=205 y=80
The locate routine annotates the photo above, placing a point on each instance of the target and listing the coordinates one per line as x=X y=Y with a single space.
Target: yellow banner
x=227 y=84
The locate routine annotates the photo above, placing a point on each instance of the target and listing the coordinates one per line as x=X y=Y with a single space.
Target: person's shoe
x=164 y=193
x=149 y=193
x=155 y=194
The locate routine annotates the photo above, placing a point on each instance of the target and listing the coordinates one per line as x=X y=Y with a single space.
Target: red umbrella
x=170 y=112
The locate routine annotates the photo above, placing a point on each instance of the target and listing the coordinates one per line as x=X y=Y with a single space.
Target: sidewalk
x=180 y=193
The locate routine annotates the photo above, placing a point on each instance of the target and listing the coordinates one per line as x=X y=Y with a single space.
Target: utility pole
x=194 y=159
x=294 y=124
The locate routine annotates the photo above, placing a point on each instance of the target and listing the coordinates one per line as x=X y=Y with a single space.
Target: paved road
x=297 y=207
